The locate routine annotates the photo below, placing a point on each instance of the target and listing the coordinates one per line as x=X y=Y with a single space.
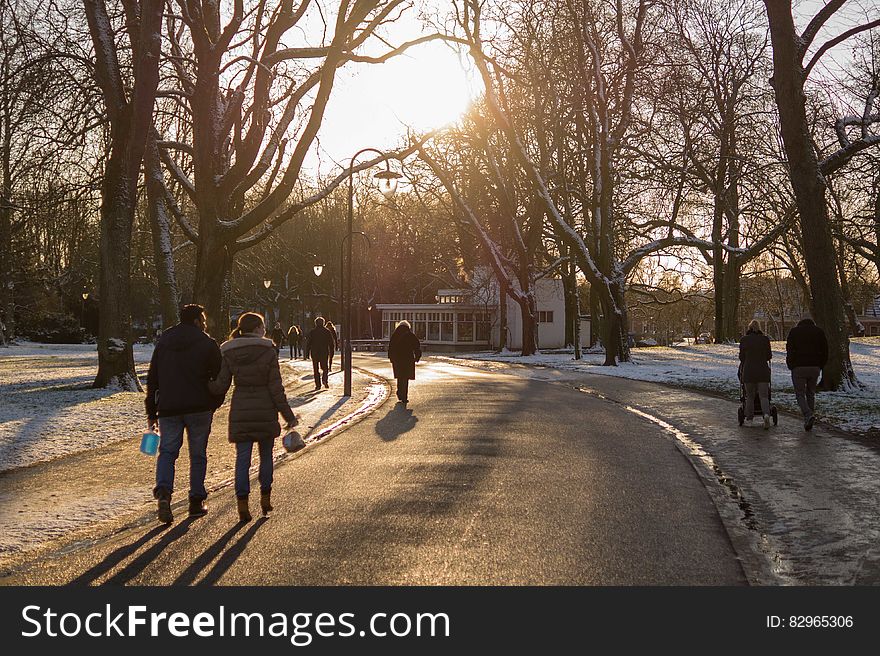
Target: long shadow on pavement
x=329 y=412
x=116 y=557
x=232 y=554
x=398 y=421
x=191 y=573
x=139 y=564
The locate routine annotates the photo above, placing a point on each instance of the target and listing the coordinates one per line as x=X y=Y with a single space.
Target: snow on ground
x=712 y=367
x=47 y=406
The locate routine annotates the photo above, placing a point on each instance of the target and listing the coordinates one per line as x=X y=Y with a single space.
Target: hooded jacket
x=258 y=395
x=184 y=360
x=755 y=355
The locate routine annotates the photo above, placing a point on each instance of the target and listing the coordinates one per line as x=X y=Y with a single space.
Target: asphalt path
x=484 y=478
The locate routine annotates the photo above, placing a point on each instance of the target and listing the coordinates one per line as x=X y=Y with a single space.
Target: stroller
x=741 y=411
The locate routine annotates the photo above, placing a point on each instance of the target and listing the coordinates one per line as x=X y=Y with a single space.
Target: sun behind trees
x=614 y=143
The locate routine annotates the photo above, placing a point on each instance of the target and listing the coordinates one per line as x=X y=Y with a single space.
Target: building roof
x=873 y=310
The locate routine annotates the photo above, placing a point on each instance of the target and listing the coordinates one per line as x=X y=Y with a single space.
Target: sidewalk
x=807 y=502
x=75 y=499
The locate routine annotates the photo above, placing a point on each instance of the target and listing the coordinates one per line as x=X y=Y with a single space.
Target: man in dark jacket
x=184 y=360
x=318 y=346
x=806 y=352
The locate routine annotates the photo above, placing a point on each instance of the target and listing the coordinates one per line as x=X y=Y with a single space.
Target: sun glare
x=374 y=104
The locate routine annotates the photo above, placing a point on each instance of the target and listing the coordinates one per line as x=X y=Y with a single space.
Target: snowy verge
x=712 y=368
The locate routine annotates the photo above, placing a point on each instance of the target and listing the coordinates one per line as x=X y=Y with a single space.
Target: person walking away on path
x=258 y=397
x=755 y=356
x=404 y=350
x=184 y=361
x=806 y=352
x=319 y=345
x=293 y=339
x=277 y=338
x=334 y=346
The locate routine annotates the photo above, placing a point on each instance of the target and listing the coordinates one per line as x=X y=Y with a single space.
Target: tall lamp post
x=388 y=186
x=82 y=312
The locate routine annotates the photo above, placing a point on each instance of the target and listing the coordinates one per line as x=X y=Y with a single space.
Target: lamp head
x=318 y=269
x=267 y=284
x=387 y=181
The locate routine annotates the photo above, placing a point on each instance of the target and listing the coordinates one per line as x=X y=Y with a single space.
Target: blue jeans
x=243 y=451
x=198 y=428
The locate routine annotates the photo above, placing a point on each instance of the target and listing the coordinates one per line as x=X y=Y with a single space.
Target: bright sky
x=372 y=104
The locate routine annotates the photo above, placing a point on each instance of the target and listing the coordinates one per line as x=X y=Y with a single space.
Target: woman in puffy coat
x=755 y=356
x=404 y=350
x=250 y=361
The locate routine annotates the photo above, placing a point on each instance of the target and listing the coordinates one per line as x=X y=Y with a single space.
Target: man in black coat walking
x=806 y=352
x=184 y=360
x=318 y=346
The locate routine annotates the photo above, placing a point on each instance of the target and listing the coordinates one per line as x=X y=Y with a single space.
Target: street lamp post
x=82 y=312
x=388 y=186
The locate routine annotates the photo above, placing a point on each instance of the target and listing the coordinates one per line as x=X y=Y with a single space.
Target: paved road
x=485 y=478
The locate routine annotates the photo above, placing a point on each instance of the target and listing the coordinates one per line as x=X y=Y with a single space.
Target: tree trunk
x=212 y=285
x=7 y=286
x=731 y=292
x=115 y=355
x=615 y=332
x=576 y=310
x=597 y=324
x=809 y=190
x=502 y=312
x=529 y=321
x=160 y=225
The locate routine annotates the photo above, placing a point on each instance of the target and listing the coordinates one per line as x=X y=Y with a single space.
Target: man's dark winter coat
x=806 y=346
x=404 y=350
x=259 y=395
x=184 y=360
x=755 y=355
x=319 y=343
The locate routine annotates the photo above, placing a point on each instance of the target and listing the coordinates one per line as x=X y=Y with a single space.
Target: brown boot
x=164 y=509
x=266 y=503
x=244 y=513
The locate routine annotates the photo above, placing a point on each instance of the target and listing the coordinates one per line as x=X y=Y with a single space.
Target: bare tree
x=807 y=173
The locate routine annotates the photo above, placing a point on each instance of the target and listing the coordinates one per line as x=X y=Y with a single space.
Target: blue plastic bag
x=150 y=443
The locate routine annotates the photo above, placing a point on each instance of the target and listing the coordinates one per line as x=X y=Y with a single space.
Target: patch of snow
x=48 y=408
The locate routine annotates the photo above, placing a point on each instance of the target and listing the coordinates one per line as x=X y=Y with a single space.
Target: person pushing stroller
x=754 y=372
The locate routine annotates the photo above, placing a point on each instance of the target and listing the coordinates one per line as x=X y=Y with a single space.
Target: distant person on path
x=404 y=350
x=333 y=348
x=257 y=399
x=755 y=356
x=184 y=361
x=806 y=352
x=319 y=345
x=278 y=338
x=294 y=339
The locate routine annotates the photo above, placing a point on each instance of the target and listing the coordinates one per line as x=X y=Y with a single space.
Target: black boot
x=197 y=507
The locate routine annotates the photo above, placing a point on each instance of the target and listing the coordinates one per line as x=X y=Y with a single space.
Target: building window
x=545 y=316
x=433 y=331
x=465 y=322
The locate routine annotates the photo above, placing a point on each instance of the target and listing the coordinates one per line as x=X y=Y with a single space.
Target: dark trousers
x=295 y=350
x=324 y=375
x=243 y=452
x=198 y=428
x=403 y=389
